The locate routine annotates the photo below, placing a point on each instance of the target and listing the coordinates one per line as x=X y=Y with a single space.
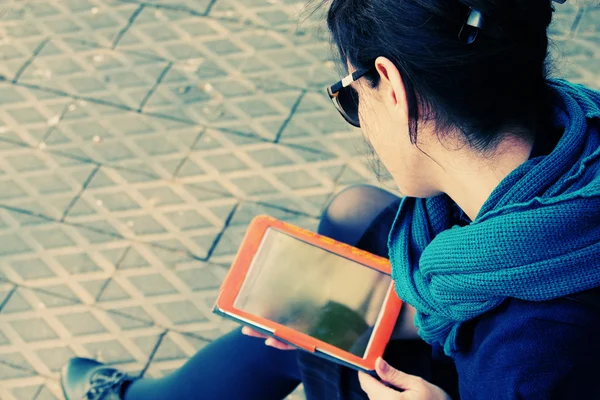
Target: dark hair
x=495 y=84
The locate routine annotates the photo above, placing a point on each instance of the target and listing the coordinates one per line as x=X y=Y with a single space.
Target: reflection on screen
x=314 y=291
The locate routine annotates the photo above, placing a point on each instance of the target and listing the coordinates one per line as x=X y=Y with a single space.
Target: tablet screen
x=314 y=291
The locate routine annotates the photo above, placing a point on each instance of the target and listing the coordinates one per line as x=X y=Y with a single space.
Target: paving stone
x=64 y=67
x=107 y=62
x=161 y=196
x=201 y=338
x=167 y=349
x=112 y=292
x=12 y=244
x=257 y=108
x=270 y=157
x=79 y=209
x=44 y=393
x=55 y=358
x=77 y=6
x=199 y=278
x=33 y=329
x=99 y=232
x=144 y=225
x=230 y=241
x=49 y=184
x=26 y=115
x=51 y=296
x=185 y=168
x=22 y=30
x=27 y=163
x=10 y=190
x=130 y=317
x=158 y=146
x=349 y=176
x=226 y=162
x=79 y=263
x=26 y=393
x=62 y=26
x=4 y=340
x=49 y=49
x=126 y=258
x=52 y=238
x=100 y=21
x=208 y=190
x=32 y=269
x=298 y=179
x=104 y=290
x=79 y=324
x=115 y=202
x=14 y=302
x=170 y=252
x=152 y=285
x=86 y=85
x=253 y=185
x=188 y=220
x=9 y=95
x=181 y=312
x=109 y=351
x=14 y=365
x=159 y=35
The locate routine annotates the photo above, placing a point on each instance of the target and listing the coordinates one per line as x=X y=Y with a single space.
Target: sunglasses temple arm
x=336 y=87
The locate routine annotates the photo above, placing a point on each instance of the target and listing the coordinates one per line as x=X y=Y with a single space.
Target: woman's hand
x=414 y=387
x=269 y=340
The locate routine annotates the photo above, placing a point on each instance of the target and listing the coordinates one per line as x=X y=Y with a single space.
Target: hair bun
x=515 y=17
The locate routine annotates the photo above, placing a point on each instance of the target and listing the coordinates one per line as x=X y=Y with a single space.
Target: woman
x=497 y=244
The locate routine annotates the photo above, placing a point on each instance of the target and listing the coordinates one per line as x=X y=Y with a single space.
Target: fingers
x=375 y=389
x=396 y=378
x=269 y=340
x=278 y=345
x=413 y=387
x=251 y=332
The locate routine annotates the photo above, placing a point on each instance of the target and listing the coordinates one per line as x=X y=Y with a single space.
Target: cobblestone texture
x=137 y=140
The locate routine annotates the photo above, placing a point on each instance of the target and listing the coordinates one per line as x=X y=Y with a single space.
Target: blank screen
x=314 y=291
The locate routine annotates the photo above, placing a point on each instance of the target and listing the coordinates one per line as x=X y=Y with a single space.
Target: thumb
x=392 y=376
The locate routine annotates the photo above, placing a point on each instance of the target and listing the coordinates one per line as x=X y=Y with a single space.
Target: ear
x=392 y=84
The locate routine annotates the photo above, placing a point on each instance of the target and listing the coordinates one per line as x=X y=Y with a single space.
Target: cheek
x=390 y=140
x=383 y=133
x=374 y=122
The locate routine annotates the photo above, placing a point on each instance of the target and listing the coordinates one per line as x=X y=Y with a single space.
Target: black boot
x=87 y=379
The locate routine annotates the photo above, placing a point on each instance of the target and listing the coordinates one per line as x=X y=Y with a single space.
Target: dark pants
x=240 y=367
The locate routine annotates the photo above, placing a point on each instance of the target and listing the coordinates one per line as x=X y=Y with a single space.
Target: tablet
x=312 y=292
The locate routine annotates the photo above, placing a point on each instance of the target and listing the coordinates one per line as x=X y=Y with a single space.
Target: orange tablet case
x=239 y=269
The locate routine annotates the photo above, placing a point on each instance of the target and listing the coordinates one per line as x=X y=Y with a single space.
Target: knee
x=343 y=206
x=351 y=211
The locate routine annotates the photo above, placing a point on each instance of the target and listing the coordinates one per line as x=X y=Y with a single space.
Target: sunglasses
x=345 y=97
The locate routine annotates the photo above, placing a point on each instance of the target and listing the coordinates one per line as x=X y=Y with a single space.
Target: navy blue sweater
x=531 y=350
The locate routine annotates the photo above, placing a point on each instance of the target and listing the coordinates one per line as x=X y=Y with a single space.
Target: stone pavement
x=137 y=140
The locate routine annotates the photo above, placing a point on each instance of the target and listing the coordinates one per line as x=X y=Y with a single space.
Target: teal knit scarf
x=536 y=238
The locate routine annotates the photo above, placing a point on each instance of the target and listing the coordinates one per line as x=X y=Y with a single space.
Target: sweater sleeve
x=528 y=350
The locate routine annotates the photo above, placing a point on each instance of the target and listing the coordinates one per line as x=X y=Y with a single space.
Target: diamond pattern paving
x=137 y=141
